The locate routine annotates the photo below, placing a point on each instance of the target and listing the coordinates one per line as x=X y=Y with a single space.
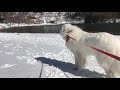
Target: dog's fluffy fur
x=102 y=40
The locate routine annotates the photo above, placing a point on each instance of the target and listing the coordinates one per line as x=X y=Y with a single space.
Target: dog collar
x=68 y=38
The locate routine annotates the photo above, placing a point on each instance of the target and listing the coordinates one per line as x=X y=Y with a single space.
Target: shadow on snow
x=67 y=67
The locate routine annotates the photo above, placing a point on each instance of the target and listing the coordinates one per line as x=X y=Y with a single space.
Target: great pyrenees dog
x=77 y=40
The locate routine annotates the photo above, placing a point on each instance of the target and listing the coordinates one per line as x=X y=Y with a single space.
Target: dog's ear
x=65 y=27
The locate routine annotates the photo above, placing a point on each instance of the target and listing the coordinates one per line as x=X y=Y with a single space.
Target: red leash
x=106 y=53
x=101 y=51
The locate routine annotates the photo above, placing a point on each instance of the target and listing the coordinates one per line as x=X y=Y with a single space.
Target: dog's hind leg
x=112 y=74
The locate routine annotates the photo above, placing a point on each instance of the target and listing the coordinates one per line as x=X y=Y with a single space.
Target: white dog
x=76 y=40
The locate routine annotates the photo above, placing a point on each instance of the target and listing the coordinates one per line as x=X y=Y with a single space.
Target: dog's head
x=70 y=30
x=65 y=30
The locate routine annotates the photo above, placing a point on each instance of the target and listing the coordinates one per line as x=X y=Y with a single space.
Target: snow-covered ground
x=9 y=25
x=26 y=55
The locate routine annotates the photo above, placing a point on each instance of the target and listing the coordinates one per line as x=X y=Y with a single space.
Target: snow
x=26 y=55
x=6 y=66
x=112 y=21
x=9 y=25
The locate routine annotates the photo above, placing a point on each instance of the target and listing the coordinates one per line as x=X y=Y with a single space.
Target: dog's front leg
x=76 y=62
x=81 y=61
x=75 y=67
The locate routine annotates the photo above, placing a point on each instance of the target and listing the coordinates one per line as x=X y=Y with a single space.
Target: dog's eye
x=70 y=31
